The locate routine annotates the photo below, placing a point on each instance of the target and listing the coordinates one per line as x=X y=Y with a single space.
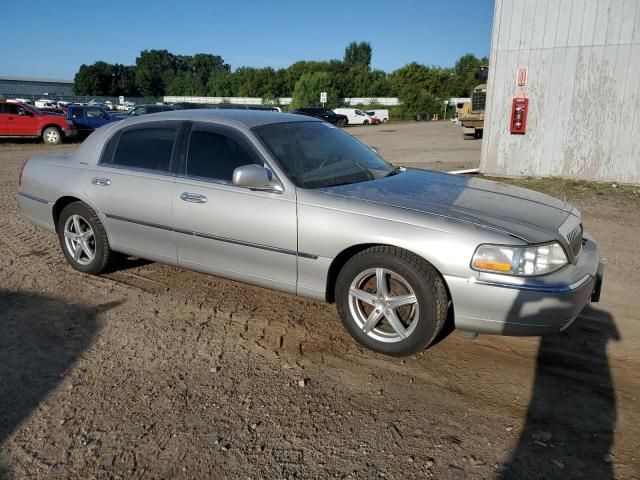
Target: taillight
x=21 y=171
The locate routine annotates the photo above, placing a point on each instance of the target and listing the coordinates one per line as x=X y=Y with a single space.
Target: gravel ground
x=157 y=372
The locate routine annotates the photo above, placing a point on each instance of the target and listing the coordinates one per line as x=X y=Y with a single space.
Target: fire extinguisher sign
x=521 y=79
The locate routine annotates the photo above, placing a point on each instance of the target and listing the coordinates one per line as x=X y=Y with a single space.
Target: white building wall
x=583 y=61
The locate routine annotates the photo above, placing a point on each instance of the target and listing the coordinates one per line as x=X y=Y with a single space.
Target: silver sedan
x=294 y=204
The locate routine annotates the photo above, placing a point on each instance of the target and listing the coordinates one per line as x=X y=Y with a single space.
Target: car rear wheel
x=366 y=122
x=52 y=135
x=341 y=123
x=391 y=300
x=83 y=239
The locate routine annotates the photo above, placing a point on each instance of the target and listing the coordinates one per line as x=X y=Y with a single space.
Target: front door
x=21 y=121
x=231 y=231
x=132 y=185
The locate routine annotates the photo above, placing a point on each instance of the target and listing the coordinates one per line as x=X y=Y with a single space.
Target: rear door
x=132 y=186
x=231 y=231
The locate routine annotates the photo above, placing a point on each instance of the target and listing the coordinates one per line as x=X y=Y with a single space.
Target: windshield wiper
x=395 y=171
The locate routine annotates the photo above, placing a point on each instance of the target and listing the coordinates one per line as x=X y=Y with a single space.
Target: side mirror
x=255 y=177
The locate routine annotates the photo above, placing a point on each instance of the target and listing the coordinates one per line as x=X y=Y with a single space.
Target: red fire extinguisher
x=519 y=109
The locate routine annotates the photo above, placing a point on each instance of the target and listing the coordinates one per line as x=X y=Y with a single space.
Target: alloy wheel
x=383 y=305
x=79 y=239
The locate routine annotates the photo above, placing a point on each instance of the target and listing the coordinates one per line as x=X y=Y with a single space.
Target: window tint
x=15 y=109
x=4 y=108
x=76 y=112
x=148 y=148
x=215 y=156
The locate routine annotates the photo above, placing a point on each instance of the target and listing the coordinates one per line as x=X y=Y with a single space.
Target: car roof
x=248 y=118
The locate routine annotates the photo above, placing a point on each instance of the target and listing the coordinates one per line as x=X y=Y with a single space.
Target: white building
x=582 y=59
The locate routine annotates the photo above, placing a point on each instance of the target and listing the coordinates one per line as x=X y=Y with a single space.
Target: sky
x=53 y=43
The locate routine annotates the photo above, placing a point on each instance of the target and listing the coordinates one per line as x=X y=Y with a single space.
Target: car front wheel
x=391 y=301
x=83 y=239
x=52 y=135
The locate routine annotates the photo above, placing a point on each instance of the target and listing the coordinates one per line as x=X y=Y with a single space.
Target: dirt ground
x=157 y=372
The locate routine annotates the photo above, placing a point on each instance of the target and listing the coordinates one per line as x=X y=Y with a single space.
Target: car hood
x=531 y=216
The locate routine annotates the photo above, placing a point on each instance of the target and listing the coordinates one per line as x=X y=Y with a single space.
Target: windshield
x=318 y=155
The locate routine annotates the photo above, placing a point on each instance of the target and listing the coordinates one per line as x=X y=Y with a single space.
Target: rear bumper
x=542 y=306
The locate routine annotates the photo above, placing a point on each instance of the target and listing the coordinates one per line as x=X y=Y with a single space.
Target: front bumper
x=534 y=306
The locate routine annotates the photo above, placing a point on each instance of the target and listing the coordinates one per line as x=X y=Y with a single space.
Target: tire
x=341 y=123
x=366 y=122
x=94 y=239
x=52 y=136
x=405 y=275
x=478 y=134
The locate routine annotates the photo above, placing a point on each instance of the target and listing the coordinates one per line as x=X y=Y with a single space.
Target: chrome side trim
x=214 y=237
x=538 y=288
x=37 y=199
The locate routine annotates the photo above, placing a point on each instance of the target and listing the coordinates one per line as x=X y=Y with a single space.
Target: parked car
x=281 y=201
x=324 y=114
x=382 y=115
x=20 y=120
x=42 y=104
x=146 y=109
x=354 y=116
x=88 y=117
x=374 y=120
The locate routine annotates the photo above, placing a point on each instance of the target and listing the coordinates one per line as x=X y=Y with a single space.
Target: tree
x=154 y=72
x=308 y=88
x=93 y=79
x=358 y=54
x=465 y=71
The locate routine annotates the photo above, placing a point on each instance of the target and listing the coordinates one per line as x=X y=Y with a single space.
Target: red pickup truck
x=21 y=120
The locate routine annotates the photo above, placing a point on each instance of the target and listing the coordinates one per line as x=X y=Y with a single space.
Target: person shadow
x=571 y=417
x=41 y=338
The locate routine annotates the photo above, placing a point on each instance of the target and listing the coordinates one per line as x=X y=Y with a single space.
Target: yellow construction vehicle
x=473 y=122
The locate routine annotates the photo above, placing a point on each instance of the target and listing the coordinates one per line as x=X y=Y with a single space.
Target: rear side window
x=147 y=148
x=76 y=112
x=214 y=156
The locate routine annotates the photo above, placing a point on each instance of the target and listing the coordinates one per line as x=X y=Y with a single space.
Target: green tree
x=358 y=54
x=465 y=71
x=308 y=88
x=93 y=79
x=155 y=70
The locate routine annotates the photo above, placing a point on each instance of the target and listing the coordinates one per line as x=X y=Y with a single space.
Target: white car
x=382 y=115
x=355 y=116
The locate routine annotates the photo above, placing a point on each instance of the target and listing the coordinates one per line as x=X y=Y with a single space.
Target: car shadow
x=41 y=338
x=571 y=417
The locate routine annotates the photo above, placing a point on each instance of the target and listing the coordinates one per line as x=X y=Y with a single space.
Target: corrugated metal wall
x=583 y=61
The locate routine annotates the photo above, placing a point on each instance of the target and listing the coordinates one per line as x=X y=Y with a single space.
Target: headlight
x=524 y=260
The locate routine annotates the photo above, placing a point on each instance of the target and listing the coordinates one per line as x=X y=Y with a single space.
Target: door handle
x=103 y=182
x=193 y=197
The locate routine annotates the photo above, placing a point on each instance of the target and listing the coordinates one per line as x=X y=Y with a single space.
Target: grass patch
x=560 y=187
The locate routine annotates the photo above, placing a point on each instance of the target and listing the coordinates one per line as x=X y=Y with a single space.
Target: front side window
x=147 y=148
x=95 y=113
x=15 y=109
x=318 y=155
x=76 y=113
x=212 y=155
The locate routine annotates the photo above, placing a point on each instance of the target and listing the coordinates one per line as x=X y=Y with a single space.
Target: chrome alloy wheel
x=383 y=305
x=79 y=239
